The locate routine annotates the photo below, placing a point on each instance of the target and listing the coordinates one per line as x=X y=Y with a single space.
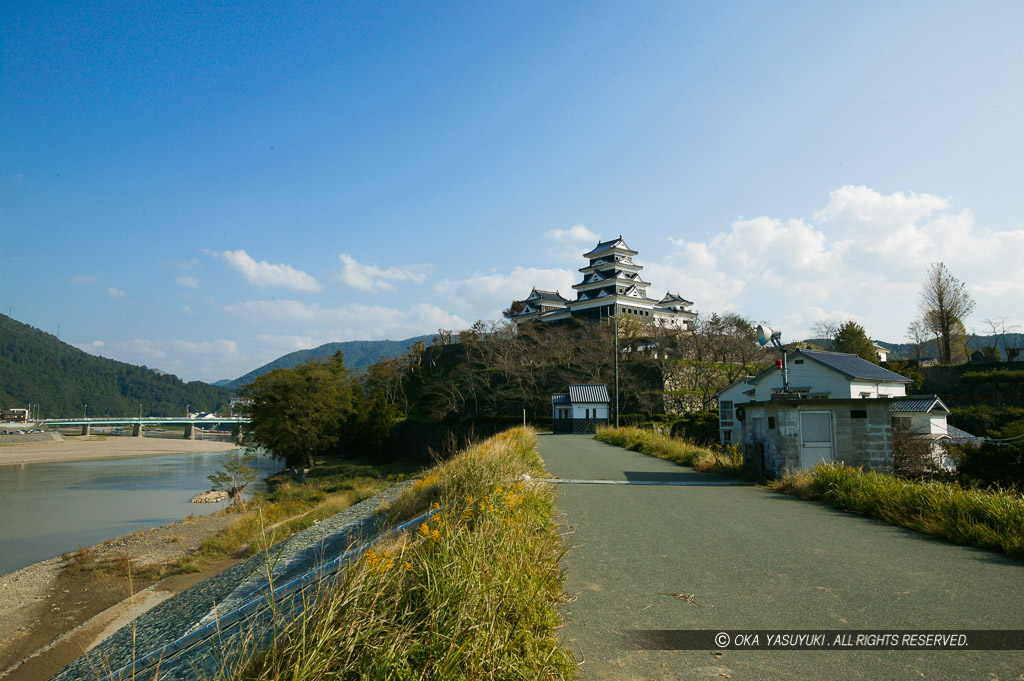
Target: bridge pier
x=236 y=433
x=190 y=431
x=86 y=429
x=137 y=430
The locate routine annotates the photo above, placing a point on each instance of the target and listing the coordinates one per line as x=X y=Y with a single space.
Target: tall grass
x=467 y=594
x=983 y=518
x=292 y=507
x=705 y=459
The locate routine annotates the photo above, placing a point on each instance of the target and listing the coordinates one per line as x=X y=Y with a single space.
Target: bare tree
x=826 y=330
x=917 y=334
x=999 y=330
x=945 y=302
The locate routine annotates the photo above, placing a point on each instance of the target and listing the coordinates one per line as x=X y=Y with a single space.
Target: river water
x=47 y=509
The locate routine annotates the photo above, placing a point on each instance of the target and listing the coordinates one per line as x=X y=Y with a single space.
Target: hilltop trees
x=945 y=302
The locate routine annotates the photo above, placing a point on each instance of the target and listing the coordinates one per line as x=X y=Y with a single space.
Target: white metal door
x=815 y=438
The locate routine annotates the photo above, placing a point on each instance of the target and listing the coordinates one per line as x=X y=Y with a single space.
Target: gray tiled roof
x=589 y=392
x=918 y=403
x=852 y=366
x=548 y=295
x=962 y=436
x=560 y=398
x=675 y=298
x=605 y=245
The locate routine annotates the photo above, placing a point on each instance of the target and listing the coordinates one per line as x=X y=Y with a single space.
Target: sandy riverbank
x=83 y=448
x=49 y=615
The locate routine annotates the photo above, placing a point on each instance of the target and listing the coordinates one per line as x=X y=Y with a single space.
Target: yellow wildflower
x=424 y=530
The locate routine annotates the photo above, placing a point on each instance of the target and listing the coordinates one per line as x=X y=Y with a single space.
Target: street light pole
x=616 y=368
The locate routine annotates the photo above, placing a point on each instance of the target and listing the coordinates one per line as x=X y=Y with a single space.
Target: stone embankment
x=225 y=592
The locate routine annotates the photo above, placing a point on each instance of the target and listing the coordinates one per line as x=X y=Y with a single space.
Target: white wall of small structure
x=598 y=410
x=821 y=381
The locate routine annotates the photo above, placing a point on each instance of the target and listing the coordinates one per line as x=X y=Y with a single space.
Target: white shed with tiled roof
x=581 y=410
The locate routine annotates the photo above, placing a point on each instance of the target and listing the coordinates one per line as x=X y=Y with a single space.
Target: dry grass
x=467 y=594
x=294 y=506
x=991 y=519
x=728 y=461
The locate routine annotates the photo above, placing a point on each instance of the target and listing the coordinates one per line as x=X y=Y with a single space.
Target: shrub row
x=990 y=519
x=704 y=459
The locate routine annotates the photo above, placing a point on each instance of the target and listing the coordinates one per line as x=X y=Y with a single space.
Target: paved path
x=755 y=559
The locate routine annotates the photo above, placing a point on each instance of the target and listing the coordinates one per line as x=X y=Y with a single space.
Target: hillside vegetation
x=38 y=368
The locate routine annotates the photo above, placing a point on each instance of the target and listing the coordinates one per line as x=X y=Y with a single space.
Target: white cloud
x=575 y=235
x=287 y=343
x=116 y=293
x=188 y=282
x=187 y=310
x=571 y=242
x=371 y=277
x=267 y=275
x=350 y=322
x=862 y=257
x=207 y=360
x=489 y=294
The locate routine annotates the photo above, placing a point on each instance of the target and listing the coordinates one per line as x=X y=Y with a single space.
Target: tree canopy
x=302 y=412
x=945 y=303
x=850 y=337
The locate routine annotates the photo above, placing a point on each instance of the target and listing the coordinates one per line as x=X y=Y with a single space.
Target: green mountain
x=902 y=351
x=38 y=368
x=974 y=342
x=358 y=355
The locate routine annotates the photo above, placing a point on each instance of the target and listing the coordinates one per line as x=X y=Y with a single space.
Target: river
x=47 y=509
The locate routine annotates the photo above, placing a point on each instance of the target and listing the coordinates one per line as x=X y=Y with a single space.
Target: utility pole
x=616 y=324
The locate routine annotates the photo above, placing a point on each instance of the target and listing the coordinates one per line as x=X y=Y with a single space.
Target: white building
x=883 y=352
x=837 y=410
x=611 y=286
x=581 y=410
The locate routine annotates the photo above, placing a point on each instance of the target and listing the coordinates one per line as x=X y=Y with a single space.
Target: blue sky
x=202 y=189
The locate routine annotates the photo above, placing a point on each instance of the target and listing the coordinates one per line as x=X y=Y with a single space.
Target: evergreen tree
x=300 y=413
x=850 y=337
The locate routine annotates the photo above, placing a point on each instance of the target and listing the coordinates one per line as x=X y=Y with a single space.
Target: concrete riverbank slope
x=225 y=592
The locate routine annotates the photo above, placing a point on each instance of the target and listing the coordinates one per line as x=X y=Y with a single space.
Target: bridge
x=137 y=423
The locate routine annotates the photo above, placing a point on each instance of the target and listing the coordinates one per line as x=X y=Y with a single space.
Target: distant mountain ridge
x=358 y=355
x=903 y=351
x=38 y=368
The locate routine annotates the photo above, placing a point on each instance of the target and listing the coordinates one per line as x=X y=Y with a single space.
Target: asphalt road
x=755 y=559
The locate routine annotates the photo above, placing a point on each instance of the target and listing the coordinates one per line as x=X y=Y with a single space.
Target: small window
x=858 y=413
x=725 y=410
x=771 y=423
x=798 y=361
